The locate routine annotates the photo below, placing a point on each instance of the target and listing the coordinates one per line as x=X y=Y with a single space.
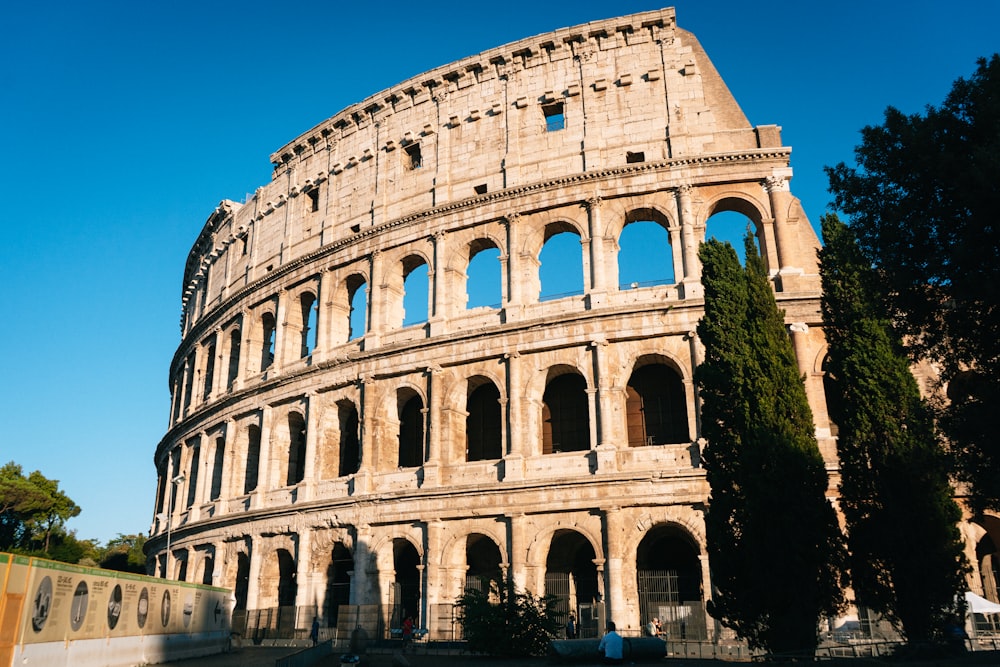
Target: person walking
x=314 y=631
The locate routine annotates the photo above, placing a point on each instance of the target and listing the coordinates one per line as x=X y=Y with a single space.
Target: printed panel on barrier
x=69 y=602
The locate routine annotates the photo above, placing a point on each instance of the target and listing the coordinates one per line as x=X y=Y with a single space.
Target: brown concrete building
x=325 y=449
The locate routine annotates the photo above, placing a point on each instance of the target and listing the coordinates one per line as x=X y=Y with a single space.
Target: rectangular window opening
x=314 y=199
x=480 y=189
x=632 y=158
x=412 y=157
x=555 y=119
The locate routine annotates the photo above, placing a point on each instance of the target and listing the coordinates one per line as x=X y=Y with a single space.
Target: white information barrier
x=72 y=615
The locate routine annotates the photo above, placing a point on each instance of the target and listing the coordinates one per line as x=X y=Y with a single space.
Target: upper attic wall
x=623 y=90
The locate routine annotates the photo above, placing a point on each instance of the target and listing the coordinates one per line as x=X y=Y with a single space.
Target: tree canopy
x=32 y=509
x=893 y=476
x=774 y=546
x=923 y=202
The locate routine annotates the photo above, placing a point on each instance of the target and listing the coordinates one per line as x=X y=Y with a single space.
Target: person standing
x=571 y=632
x=612 y=646
x=314 y=631
x=407 y=631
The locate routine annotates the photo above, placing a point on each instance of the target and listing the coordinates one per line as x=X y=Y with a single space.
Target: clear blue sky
x=125 y=123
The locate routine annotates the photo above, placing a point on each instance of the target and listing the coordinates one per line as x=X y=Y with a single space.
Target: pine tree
x=774 y=546
x=893 y=471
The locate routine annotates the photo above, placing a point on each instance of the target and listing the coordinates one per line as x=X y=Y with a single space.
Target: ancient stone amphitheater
x=331 y=452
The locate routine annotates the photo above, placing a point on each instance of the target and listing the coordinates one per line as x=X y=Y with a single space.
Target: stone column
x=513 y=264
x=440 y=288
x=432 y=465
x=264 y=462
x=363 y=566
x=785 y=233
x=219 y=371
x=280 y=334
x=256 y=558
x=517 y=550
x=513 y=460
x=366 y=436
x=690 y=238
x=324 y=318
x=308 y=487
x=226 y=474
x=598 y=287
x=305 y=593
x=614 y=530
x=376 y=300
x=601 y=407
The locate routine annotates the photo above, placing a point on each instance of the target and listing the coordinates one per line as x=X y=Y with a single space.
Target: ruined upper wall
x=629 y=89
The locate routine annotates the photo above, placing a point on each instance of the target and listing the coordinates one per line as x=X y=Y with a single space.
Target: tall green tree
x=775 y=549
x=892 y=466
x=32 y=508
x=923 y=201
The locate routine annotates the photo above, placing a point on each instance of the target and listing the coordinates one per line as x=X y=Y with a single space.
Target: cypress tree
x=906 y=556
x=774 y=545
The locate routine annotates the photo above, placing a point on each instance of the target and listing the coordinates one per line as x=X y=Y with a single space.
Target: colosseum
x=378 y=401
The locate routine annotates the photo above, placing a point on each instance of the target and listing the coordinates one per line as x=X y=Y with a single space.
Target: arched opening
x=338 y=583
x=405 y=598
x=415 y=291
x=668 y=571
x=209 y=369
x=350 y=438
x=192 y=482
x=988 y=558
x=234 y=358
x=309 y=312
x=287 y=588
x=645 y=257
x=253 y=458
x=207 y=568
x=411 y=429
x=729 y=223
x=220 y=457
x=296 y=449
x=565 y=415
x=242 y=584
x=571 y=576
x=267 y=346
x=656 y=407
x=482 y=560
x=357 y=296
x=560 y=270
x=483 y=281
x=483 y=439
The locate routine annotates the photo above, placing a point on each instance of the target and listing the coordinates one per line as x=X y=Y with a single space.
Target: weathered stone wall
x=650 y=132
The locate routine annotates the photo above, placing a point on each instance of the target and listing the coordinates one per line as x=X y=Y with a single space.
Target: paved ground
x=266 y=657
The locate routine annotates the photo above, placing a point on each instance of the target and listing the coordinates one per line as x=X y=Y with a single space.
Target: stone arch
x=349 y=437
x=340 y=303
x=396 y=267
x=565 y=411
x=656 y=403
x=484 y=420
x=572 y=576
x=339 y=575
x=301 y=321
x=411 y=432
x=484 y=561
x=986 y=552
x=475 y=277
x=669 y=580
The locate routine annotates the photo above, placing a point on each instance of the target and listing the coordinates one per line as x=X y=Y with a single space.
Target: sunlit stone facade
x=324 y=451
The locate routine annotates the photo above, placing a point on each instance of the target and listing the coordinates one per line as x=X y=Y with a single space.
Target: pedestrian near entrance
x=314 y=631
x=611 y=646
x=407 y=631
x=571 y=632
